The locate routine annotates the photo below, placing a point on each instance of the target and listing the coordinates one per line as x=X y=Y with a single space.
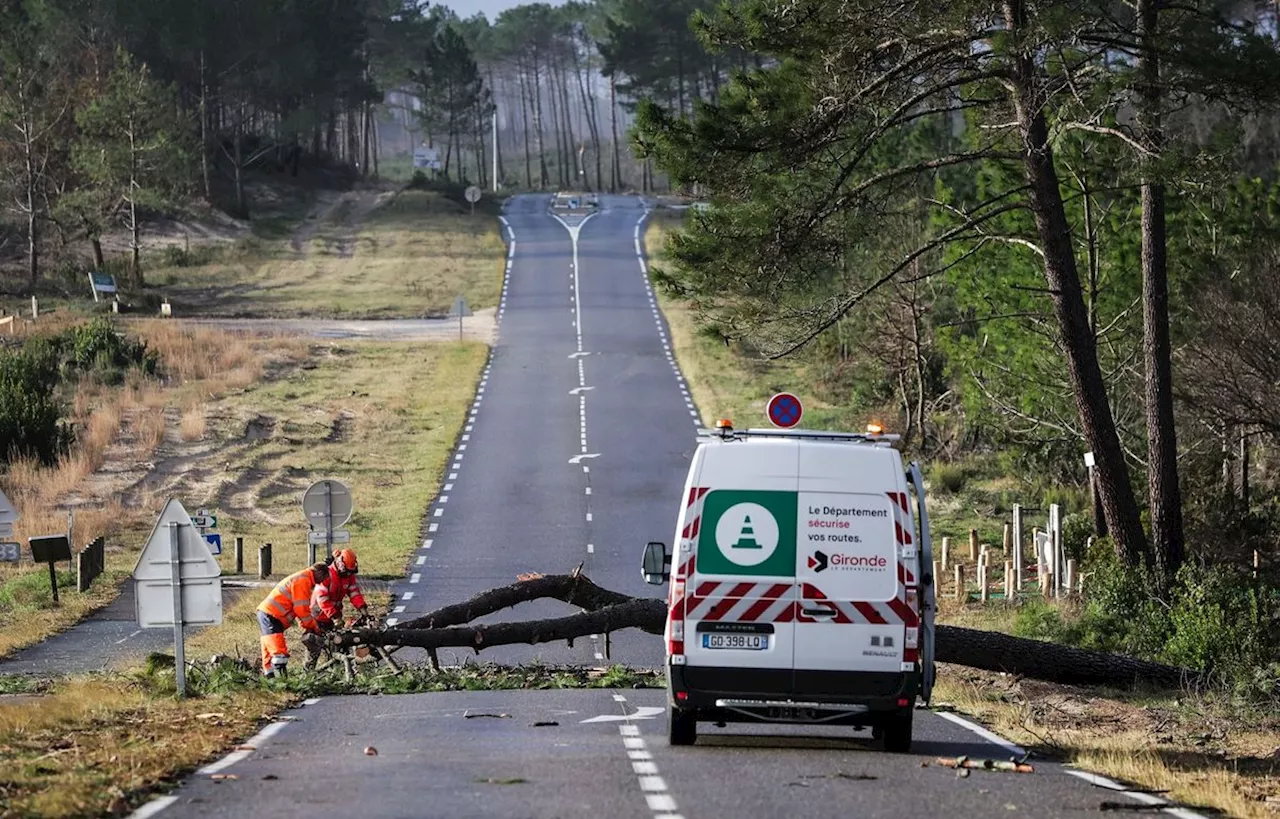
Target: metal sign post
x=179 y=638
x=177 y=582
x=327 y=506
x=460 y=309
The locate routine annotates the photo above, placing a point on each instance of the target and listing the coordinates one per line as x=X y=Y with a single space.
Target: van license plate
x=751 y=642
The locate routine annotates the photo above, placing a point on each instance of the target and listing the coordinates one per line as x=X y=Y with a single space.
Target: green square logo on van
x=748 y=532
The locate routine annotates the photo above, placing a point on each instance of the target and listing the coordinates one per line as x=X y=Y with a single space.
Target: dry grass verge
x=375 y=254
x=131 y=426
x=90 y=746
x=1202 y=751
x=382 y=417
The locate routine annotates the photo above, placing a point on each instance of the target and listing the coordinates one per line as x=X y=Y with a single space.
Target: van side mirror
x=655 y=563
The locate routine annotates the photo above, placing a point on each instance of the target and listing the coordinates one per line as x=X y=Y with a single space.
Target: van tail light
x=913 y=638
x=682 y=695
x=675 y=626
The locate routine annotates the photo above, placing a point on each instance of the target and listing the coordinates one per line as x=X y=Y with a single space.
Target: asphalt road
x=107 y=639
x=522 y=754
x=579 y=440
x=514 y=502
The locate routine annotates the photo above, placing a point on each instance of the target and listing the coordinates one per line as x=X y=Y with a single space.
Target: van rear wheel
x=896 y=731
x=682 y=726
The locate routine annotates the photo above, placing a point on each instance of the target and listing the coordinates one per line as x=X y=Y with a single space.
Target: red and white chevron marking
x=742 y=602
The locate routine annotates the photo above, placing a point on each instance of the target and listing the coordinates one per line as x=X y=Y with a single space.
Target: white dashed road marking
x=656 y=794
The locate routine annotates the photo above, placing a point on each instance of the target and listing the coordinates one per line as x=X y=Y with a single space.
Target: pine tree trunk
x=1164 y=493
x=615 y=173
x=204 y=134
x=543 y=179
x=524 y=121
x=1045 y=199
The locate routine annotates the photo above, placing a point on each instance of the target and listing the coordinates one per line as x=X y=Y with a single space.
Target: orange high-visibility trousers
x=273 y=642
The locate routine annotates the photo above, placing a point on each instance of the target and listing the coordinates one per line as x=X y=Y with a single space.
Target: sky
x=491 y=8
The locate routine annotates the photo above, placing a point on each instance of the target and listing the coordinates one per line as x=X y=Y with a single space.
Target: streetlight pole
x=495 y=147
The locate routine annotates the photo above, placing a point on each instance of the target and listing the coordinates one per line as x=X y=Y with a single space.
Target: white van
x=801 y=588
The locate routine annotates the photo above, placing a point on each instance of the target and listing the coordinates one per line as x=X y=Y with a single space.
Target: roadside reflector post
x=1017 y=547
x=1009 y=591
x=973 y=545
x=264 y=561
x=1071 y=575
x=959 y=581
x=946 y=553
x=984 y=594
x=239 y=555
x=35 y=309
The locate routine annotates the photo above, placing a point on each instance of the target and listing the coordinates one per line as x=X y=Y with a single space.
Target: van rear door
x=852 y=607
x=740 y=596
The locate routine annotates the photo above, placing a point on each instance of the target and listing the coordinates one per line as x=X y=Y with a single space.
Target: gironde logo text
x=821 y=561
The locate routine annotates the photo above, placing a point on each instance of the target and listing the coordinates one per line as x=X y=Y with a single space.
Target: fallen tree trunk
x=1051 y=662
x=606 y=611
x=575 y=589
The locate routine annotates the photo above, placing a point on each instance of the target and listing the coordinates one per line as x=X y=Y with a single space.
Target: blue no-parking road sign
x=785 y=410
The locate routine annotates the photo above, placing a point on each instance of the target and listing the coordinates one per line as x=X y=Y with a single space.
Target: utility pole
x=495 y=147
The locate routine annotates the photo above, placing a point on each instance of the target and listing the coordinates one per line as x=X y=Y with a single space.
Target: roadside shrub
x=175 y=256
x=1222 y=622
x=947 y=477
x=1038 y=620
x=1077 y=528
x=98 y=348
x=29 y=411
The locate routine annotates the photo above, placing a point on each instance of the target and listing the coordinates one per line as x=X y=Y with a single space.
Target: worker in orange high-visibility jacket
x=339 y=584
x=288 y=602
x=327 y=597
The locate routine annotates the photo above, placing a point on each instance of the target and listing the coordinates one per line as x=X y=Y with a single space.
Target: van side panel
x=852 y=571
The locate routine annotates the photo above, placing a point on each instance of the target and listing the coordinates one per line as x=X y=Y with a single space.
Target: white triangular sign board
x=197 y=562
x=7 y=513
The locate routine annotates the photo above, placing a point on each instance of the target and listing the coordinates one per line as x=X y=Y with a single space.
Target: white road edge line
x=257 y=741
x=994 y=739
x=1137 y=796
x=153 y=807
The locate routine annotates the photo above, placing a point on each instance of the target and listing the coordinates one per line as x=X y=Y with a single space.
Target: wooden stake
x=960 y=581
x=1008 y=538
x=973 y=545
x=1009 y=591
x=984 y=594
x=946 y=553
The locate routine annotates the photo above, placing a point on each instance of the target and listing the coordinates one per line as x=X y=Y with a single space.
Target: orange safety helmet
x=345 y=561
